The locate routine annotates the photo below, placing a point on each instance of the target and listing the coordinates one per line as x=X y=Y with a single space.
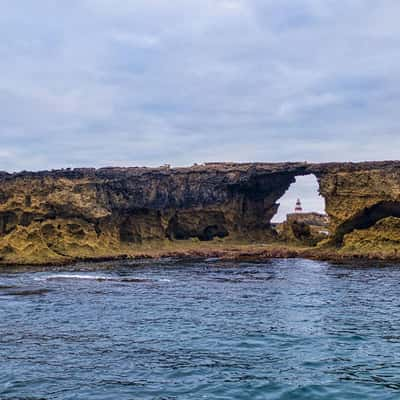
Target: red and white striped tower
x=298 y=207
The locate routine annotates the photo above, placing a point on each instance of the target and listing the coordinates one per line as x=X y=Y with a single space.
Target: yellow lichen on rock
x=54 y=216
x=382 y=237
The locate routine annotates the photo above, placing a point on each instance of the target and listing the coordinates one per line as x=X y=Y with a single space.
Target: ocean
x=165 y=330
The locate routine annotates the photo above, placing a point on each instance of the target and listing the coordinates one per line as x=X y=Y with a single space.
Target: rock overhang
x=78 y=212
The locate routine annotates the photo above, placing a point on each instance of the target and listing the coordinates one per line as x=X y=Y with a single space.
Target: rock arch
x=366 y=218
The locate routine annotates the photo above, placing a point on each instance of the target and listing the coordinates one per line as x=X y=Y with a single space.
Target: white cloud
x=152 y=81
x=308 y=103
x=233 y=5
x=136 y=40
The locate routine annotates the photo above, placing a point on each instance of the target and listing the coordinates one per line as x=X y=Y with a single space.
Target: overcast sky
x=306 y=189
x=148 y=82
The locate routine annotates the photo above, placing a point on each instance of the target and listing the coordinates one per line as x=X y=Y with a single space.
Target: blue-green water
x=283 y=329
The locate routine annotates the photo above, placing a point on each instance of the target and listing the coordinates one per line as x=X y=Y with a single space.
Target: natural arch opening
x=301 y=213
x=305 y=188
x=367 y=218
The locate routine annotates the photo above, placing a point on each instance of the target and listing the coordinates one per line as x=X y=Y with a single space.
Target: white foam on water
x=90 y=277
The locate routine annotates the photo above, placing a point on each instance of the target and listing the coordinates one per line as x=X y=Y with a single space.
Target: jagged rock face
x=357 y=196
x=52 y=216
x=383 y=237
x=92 y=213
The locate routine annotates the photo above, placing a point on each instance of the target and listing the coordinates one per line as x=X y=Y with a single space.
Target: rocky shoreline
x=217 y=252
x=64 y=216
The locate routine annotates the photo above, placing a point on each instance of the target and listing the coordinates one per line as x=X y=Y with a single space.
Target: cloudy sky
x=306 y=189
x=148 y=82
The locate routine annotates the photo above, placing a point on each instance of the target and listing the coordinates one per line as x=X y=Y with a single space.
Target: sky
x=306 y=190
x=92 y=83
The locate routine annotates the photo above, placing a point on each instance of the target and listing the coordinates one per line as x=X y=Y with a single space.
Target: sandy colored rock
x=87 y=213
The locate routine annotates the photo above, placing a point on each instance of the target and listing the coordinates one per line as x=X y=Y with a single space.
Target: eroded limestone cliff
x=84 y=213
x=358 y=198
x=58 y=215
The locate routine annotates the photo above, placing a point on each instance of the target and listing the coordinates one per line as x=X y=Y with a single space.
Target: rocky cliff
x=84 y=213
x=358 y=198
x=57 y=215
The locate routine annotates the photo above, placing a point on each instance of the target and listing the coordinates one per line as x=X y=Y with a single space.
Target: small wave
x=5 y=287
x=25 y=292
x=67 y=277
x=98 y=278
x=138 y=280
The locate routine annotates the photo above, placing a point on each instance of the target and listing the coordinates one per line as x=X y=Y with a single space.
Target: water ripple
x=284 y=329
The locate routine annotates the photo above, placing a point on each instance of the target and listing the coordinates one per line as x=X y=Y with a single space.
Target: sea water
x=281 y=329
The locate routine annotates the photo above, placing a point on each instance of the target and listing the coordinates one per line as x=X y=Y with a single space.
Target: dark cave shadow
x=367 y=218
